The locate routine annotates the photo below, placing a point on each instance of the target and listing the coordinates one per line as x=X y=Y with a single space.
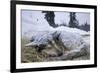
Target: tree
x=49 y=16
x=86 y=27
x=73 y=21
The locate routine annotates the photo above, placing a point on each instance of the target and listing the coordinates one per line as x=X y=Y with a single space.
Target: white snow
x=70 y=40
x=73 y=30
x=41 y=37
x=36 y=25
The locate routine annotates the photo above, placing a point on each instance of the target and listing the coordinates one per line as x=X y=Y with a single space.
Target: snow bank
x=72 y=30
x=71 y=37
x=70 y=40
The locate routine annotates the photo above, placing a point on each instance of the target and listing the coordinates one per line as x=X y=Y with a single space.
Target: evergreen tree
x=49 y=16
x=73 y=21
x=86 y=27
